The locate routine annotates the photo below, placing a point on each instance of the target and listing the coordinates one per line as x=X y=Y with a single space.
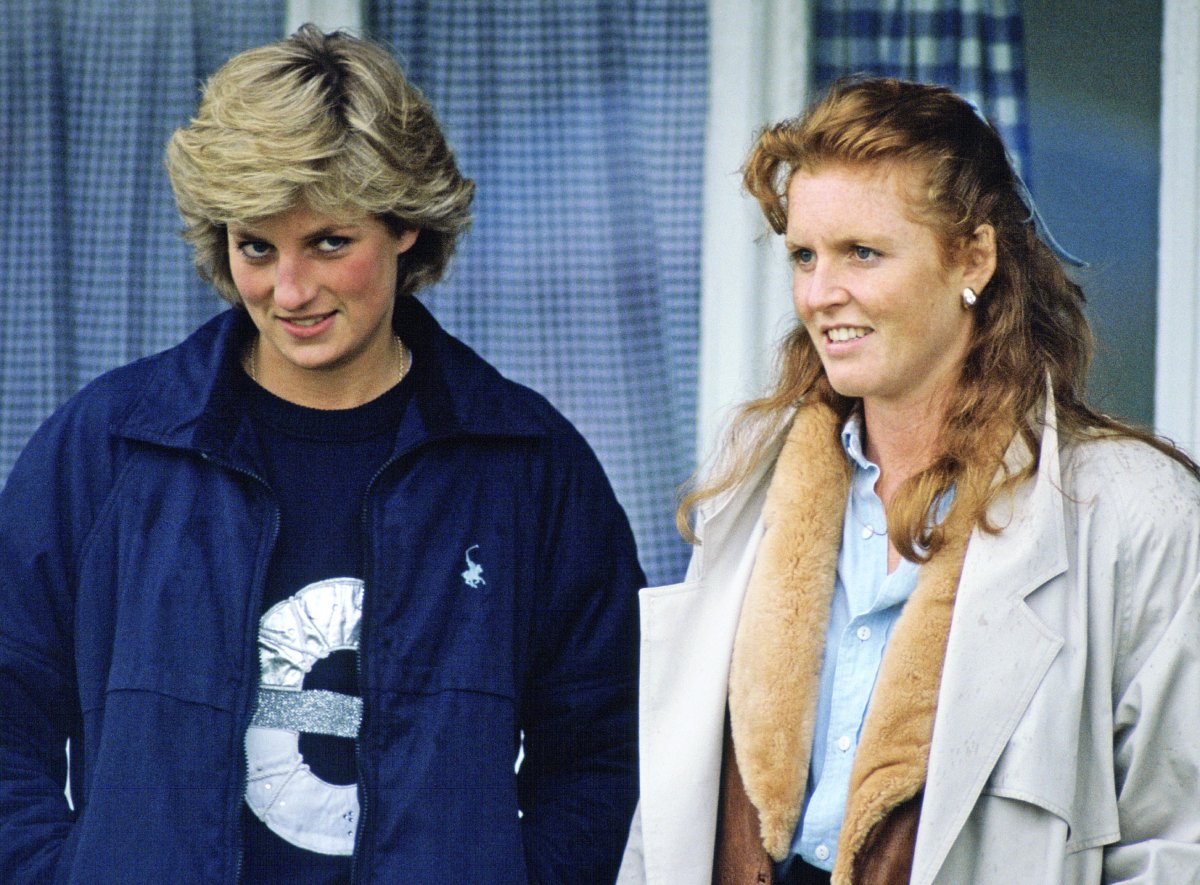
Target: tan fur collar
x=779 y=647
x=777 y=650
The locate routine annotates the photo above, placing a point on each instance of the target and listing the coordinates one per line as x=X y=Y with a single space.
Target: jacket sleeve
x=39 y=700
x=1157 y=683
x=578 y=778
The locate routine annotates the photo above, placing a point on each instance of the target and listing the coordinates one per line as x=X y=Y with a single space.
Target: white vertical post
x=328 y=15
x=1177 y=366
x=758 y=74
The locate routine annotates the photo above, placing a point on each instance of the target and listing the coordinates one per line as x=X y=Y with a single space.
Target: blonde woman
x=300 y=589
x=942 y=624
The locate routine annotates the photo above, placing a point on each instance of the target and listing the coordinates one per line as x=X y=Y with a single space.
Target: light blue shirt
x=867 y=601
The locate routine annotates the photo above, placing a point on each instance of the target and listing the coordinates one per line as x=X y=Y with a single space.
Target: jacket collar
x=776 y=651
x=187 y=400
x=773 y=679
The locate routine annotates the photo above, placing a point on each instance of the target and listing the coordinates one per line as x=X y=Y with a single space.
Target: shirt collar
x=866 y=472
x=852 y=441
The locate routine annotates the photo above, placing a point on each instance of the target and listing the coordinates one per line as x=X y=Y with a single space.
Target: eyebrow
x=843 y=243
x=871 y=241
x=318 y=234
x=329 y=231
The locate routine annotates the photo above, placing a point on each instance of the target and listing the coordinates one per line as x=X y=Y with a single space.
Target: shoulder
x=96 y=410
x=459 y=386
x=87 y=426
x=1136 y=523
x=564 y=486
x=1132 y=481
x=487 y=402
x=754 y=469
x=1132 y=501
x=73 y=461
x=174 y=379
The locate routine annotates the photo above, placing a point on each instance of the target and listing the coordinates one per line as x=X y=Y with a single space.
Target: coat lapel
x=998 y=651
x=686 y=647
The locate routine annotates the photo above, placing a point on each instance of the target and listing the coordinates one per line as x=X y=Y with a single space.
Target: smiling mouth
x=305 y=322
x=847 y=333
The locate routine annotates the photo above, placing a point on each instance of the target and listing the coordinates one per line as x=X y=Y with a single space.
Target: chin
x=849 y=388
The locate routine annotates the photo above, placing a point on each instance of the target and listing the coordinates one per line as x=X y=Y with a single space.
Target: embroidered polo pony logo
x=473 y=576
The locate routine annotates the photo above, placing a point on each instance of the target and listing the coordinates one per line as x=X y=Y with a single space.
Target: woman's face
x=321 y=292
x=870 y=287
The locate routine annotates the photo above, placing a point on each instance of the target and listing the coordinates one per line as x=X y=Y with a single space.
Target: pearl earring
x=969 y=298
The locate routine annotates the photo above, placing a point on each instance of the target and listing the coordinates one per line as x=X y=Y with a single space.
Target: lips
x=839 y=334
x=309 y=325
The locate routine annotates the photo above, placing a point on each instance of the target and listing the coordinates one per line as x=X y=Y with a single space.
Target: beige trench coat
x=1066 y=745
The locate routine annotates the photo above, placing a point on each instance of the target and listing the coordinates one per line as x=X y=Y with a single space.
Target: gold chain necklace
x=404 y=352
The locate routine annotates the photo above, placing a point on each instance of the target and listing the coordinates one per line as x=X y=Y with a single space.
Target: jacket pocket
x=1007 y=839
x=1049 y=763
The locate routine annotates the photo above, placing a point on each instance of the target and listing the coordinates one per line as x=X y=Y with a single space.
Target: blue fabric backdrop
x=95 y=273
x=973 y=46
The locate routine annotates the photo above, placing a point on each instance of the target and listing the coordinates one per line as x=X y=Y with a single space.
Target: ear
x=406 y=240
x=979 y=258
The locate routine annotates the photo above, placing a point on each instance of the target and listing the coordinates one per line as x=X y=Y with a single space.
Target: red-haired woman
x=943 y=621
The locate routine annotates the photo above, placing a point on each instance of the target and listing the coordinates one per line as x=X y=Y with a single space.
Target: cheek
x=368 y=274
x=800 y=296
x=248 y=282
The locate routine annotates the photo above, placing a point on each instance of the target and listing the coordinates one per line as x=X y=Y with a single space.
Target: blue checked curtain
x=582 y=123
x=95 y=273
x=973 y=46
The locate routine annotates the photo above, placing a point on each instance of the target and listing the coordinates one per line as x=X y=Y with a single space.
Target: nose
x=818 y=288
x=294 y=282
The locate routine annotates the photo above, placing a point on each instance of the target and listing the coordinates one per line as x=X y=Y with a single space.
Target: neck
x=333 y=387
x=901 y=440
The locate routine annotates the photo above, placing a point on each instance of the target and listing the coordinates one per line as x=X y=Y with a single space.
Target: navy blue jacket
x=135 y=533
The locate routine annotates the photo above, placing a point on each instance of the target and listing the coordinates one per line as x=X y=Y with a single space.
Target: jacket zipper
x=359 y=658
x=360 y=668
x=255 y=603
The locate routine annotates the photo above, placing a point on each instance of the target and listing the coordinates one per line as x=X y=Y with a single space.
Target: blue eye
x=254 y=249
x=332 y=243
x=864 y=253
x=803 y=256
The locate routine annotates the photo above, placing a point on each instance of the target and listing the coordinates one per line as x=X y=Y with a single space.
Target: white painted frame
x=758 y=74
x=328 y=15
x=1177 y=352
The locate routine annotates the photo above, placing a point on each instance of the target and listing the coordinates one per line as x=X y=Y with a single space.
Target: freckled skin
x=861 y=261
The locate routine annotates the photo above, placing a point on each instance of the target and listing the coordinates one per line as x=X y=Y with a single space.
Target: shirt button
x=864 y=633
x=843 y=743
x=821 y=852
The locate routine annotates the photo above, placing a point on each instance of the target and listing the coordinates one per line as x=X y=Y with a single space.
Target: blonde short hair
x=326 y=120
